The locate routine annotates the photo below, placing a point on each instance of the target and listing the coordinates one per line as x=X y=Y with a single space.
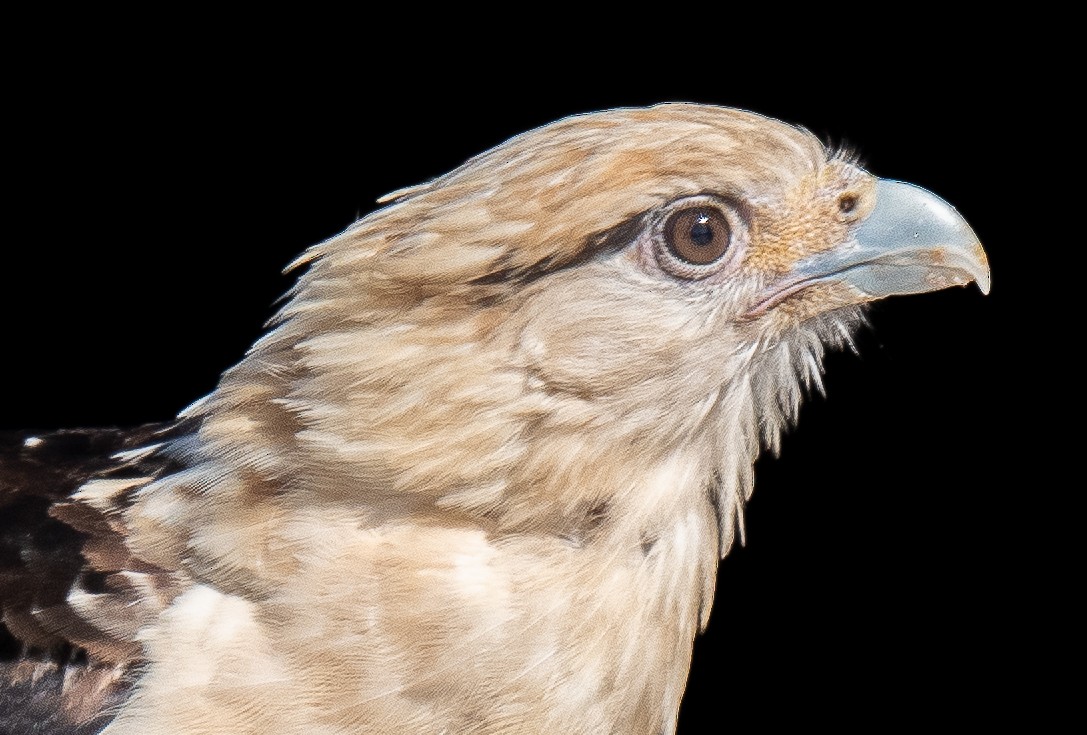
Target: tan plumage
x=478 y=476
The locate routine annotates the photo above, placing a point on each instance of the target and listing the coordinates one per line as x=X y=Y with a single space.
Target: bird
x=479 y=472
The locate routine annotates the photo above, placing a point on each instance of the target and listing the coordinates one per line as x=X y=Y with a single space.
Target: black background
x=889 y=576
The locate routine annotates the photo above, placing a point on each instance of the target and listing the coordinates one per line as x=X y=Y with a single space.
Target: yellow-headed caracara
x=478 y=476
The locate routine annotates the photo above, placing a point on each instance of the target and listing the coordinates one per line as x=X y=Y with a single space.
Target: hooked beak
x=911 y=242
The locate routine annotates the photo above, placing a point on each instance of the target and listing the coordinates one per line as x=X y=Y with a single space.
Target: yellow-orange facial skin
x=816 y=216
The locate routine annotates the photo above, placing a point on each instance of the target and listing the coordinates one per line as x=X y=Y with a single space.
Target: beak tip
x=981 y=276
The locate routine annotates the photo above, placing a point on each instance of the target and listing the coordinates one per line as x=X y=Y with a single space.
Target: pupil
x=701 y=233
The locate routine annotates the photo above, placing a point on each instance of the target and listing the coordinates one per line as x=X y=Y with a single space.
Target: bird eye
x=698 y=235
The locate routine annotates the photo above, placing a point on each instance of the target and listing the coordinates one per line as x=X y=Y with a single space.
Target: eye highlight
x=698 y=235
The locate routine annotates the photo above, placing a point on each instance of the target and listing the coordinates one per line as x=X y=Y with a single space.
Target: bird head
x=608 y=312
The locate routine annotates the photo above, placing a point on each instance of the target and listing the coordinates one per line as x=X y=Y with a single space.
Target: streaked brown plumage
x=478 y=476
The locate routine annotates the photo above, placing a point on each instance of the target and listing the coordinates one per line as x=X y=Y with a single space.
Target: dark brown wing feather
x=59 y=672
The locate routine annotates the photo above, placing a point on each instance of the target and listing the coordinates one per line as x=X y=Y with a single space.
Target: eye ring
x=698 y=235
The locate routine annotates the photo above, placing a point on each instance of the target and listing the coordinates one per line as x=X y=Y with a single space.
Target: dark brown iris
x=698 y=235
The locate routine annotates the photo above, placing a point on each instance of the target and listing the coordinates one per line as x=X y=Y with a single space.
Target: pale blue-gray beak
x=910 y=242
